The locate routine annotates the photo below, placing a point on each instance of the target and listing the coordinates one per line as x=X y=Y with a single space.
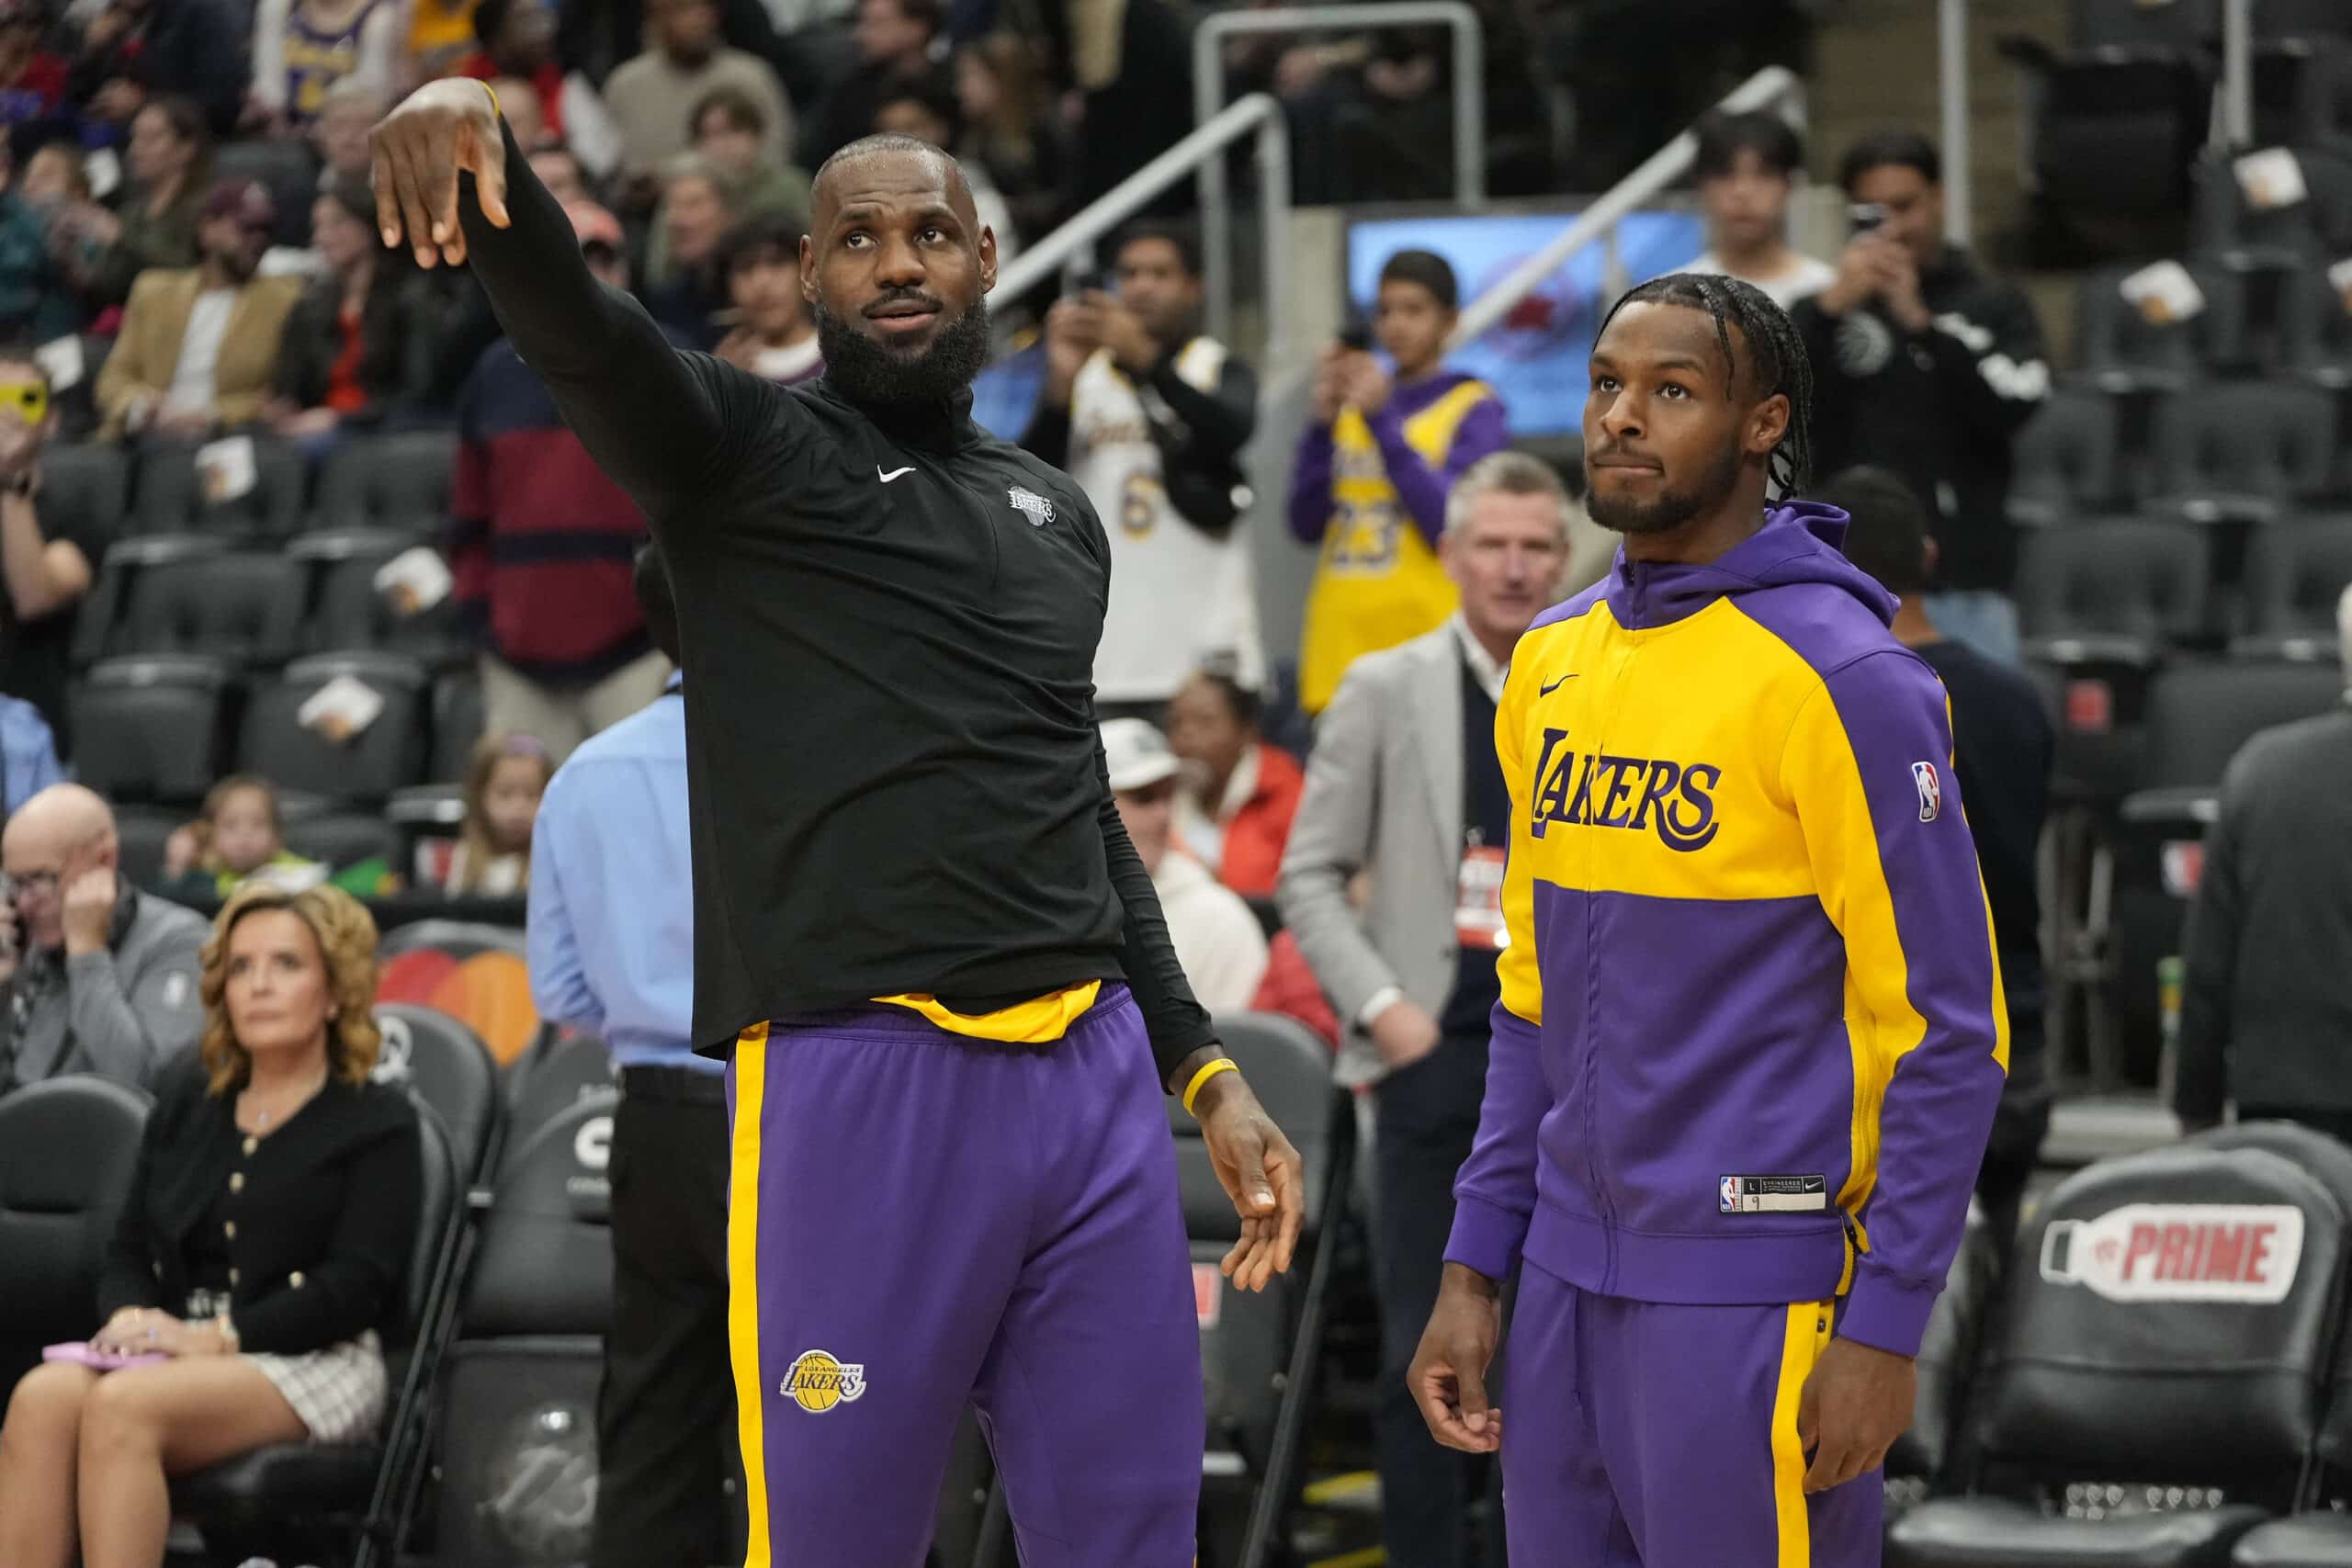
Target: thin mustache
x=921 y=301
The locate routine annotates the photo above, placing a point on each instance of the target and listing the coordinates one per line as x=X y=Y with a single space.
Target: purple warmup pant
x=918 y=1222
x=1643 y=1434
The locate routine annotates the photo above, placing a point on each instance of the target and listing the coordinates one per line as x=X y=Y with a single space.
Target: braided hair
x=1776 y=352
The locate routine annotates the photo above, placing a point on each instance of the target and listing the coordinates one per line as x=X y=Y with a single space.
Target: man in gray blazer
x=1405 y=789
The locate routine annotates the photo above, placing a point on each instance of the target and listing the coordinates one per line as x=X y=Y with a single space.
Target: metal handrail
x=1774 y=86
x=1258 y=113
x=1959 y=130
x=1208 y=91
x=2237 y=73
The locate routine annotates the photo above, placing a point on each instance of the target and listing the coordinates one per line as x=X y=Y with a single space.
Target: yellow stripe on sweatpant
x=742 y=1285
x=1802 y=1339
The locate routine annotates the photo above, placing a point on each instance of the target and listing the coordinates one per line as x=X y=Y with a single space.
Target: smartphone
x=1356 y=335
x=1867 y=217
x=1096 y=281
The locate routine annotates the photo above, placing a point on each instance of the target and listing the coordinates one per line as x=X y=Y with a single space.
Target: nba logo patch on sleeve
x=1931 y=791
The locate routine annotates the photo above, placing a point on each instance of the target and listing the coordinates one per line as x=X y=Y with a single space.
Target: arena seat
x=2242 y=451
x=398 y=482
x=555 y=1074
x=85 y=488
x=339 y=838
x=518 y=1458
x=241 y=607
x=68 y=1146
x=2287 y=237
x=2110 y=594
x=2315 y=328
x=2110 y=122
x=2168 y=1328
x=447 y=1066
x=168 y=493
x=2065 y=462
x=150 y=729
x=474 y=973
x=2295 y=573
x=142 y=834
x=103 y=624
x=458 y=724
x=346 y=610
x=298 y=1501
x=2200 y=714
x=1922 y=1458
x=2122 y=349
x=386 y=755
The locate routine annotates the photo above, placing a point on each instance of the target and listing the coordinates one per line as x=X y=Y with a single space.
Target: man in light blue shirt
x=28 y=754
x=612 y=954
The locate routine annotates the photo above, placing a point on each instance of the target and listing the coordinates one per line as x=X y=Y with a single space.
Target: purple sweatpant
x=1644 y=1434
x=918 y=1222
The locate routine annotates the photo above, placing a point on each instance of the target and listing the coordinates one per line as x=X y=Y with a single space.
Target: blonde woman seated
x=262 y=1247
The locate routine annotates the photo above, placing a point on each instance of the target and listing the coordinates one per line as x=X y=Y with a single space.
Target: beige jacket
x=155 y=322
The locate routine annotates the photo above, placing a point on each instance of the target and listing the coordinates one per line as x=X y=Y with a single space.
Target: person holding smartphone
x=1926 y=365
x=1383 y=448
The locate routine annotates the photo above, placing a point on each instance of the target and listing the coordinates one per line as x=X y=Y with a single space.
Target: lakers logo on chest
x=1673 y=800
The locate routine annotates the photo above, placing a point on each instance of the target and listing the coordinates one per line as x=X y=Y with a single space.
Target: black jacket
x=191 y=48
x=397 y=344
x=1939 y=407
x=2265 y=1015
x=325 y=1213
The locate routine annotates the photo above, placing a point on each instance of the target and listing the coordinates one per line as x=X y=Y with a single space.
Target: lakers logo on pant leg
x=818 y=1380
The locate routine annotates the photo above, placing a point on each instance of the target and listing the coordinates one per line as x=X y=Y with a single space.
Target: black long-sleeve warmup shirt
x=888 y=625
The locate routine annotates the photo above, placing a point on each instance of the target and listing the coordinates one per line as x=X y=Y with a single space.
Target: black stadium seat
x=142 y=833
x=103 y=627
x=168 y=493
x=340 y=839
x=448 y=1068
x=84 y=490
x=2065 y=462
x=2198 y=715
x=2243 y=451
x=67 y=1149
x=398 y=482
x=518 y=1457
x=388 y=755
x=2111 y=591
x=241 y=607
x=346 y=610
x=2168 y=1328
x=2110 y=121
x=2314 y=231
x=2121 y=350
x=1923 y=1457
x=310 y=1502
x=2315 y=328
x=557 y=1075
x=458 y=724
x=2295 y=573
x=150 y=729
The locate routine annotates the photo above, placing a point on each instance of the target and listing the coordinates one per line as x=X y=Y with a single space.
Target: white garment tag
x=226 y=467
x=2165 y=294
x=415 y=581
x=341 y=709
x=1772 y=1194
x=2270 y=178
x=1478 y=898
x=60 y=360
x=104 y=170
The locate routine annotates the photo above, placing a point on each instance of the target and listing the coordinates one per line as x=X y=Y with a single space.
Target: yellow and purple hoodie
x=1751 y=1032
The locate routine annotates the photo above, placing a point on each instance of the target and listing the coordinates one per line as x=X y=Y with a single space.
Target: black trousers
x=665 y=1415
x=1427 y=1115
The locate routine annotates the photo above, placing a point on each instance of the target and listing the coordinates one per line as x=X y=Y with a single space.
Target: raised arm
x=655 y=420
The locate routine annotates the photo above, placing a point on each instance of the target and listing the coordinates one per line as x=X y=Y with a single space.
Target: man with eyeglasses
x=96 y=977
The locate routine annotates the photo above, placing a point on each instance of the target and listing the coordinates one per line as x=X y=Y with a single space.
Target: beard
x=1623 y=514
x=875 y=377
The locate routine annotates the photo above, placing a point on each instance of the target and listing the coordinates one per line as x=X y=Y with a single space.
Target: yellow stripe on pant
x=742 y=1285
x=1803 y=1341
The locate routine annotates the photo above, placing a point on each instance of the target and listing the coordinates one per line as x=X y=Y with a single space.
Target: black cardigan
x=327 y=1211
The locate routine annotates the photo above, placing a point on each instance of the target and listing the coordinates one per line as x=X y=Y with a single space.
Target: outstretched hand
x=440 y=130
x=1261 y=1172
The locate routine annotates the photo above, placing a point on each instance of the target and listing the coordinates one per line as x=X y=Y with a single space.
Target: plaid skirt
x=339 y=1392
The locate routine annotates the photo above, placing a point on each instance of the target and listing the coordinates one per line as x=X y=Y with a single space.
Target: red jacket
x=1252 y=858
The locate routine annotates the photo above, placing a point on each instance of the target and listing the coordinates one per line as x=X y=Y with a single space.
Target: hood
x=1800 y=542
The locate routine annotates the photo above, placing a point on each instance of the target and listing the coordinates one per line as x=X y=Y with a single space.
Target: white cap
x=1138 y=754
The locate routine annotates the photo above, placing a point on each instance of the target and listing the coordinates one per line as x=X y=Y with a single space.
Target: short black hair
x=742 y=110
x=935 y=95
x=1218 y=673
x=1776 y=356
x=649 y=576
x=489 y=17
x=1428 y=269
x=1888 y=535
x=755 y=236
x=1899 y=149
x=1181 y=235
x=1724 y=136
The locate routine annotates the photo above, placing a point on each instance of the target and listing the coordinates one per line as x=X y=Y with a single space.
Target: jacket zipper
x=1619 y=669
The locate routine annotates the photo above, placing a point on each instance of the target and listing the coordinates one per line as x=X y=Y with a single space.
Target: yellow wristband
x=494 y=96
x=1208 y=1071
